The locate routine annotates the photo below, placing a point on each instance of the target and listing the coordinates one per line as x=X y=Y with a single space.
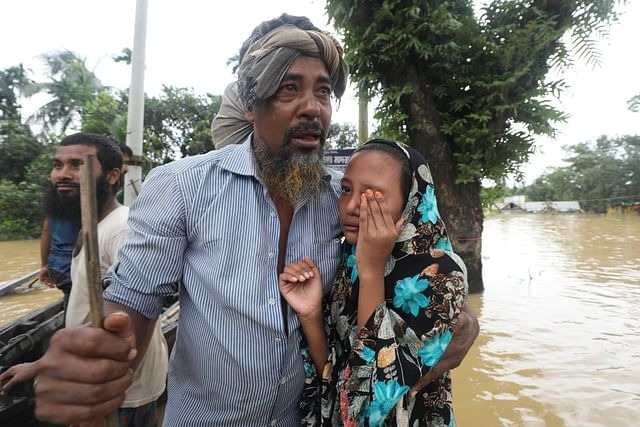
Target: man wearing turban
x=222 y=225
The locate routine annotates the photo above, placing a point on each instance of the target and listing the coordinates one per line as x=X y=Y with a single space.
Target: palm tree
x=71 y=85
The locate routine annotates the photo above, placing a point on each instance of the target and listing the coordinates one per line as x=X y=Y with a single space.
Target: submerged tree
x=469 y=92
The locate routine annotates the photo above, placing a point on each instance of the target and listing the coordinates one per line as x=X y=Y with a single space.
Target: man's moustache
x=307 y=128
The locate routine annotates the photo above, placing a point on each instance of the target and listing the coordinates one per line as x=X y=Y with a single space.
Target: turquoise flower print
x=351 y=263
x=452 y=420
x=433 y=348
x=386 y=395
x=368 y=355
x=444 y=244
x=428 y=207
x=409 y=296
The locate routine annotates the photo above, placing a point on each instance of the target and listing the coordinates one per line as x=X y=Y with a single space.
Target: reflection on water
x=16 y=259
x=560 y=339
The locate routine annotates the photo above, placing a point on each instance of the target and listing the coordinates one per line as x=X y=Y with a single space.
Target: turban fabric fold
x=263 y=64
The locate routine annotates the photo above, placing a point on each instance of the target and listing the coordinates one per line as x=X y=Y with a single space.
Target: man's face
x=62 y=198
x=299 y=114
x=65 y=175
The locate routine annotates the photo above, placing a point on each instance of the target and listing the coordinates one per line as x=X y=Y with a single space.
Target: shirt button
x=272 y=301
x=271 y=254
x=278 y=339
x=274 y=422
x=283 y=381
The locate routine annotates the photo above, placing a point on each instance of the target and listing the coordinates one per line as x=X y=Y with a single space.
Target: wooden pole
x=363 y=115
x=89 y=210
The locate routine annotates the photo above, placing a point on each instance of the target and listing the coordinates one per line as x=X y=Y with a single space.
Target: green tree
x=18 y=146
x=469 y=92
x=177 y=123
x=70 y=86
x=342 y=135
x=599 y=174
x=634 y=103
x=106 y=114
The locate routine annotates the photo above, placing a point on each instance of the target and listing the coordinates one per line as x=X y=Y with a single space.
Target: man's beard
x=67 y=206
x=289 y=173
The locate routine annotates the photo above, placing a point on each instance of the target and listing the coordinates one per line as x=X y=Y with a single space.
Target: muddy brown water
x=560 y=320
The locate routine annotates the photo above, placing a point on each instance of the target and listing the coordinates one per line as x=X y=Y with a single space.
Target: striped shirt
x=207 y=222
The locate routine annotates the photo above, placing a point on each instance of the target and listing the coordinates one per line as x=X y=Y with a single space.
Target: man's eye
x=289 y=88
x=325 y=91
x=345 y=189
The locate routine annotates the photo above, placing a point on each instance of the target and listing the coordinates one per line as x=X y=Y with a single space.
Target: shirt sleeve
x=151 y=259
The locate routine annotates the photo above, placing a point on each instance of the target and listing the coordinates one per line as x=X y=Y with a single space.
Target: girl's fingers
x=310 y=265
x=370 y=202
x=382 y=211
x=364 y=215
x=300 y=270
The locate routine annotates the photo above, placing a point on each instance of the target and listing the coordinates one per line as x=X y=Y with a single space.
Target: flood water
x=560 y=322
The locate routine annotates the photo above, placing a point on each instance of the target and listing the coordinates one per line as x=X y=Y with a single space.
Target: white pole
x=135 y=116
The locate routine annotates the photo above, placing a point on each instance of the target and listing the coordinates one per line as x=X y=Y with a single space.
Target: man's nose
x=310 y=106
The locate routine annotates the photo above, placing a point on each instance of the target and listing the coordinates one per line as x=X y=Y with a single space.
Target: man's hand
x=85 y=372
x=17 y=374
x=465 y=333
x=43 y=276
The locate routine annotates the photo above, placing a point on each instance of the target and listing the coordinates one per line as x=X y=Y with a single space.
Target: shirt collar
x=241 y=160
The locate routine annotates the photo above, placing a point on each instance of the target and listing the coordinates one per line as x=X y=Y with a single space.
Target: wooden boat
x=26 y=339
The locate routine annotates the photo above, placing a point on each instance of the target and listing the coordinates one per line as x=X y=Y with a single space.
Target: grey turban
x=262 y=68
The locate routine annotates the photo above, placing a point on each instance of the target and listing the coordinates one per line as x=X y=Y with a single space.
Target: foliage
x=20 y=211
x=342 y=135
x=18 y=148
x=105 y=114
x=598 y=174
x=177 y=124
x=70 y=86
x=634 y=103
x=14 y=82
x=483 y=77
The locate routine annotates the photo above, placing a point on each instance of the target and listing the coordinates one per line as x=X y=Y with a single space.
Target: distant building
x=519 y=204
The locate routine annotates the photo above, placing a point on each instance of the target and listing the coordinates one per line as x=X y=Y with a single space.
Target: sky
x=189 y=43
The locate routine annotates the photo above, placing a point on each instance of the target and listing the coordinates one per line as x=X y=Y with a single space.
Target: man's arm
x=464 y=335
x=86 y=371
x=141 y=328
x=45 y=243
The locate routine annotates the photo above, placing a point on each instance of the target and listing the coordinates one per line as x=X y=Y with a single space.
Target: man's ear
x=113 y=176
x=249 y=115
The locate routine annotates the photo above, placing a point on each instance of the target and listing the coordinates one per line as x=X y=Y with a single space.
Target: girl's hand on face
x=301 y=287
x=377 y=234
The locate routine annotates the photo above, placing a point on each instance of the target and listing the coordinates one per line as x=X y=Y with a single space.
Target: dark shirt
x=63 y=235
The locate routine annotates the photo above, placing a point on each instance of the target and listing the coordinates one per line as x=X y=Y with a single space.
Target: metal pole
x=135 y=116
x=363 y=115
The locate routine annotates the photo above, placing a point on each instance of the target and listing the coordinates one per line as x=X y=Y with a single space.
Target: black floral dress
x=369 y=372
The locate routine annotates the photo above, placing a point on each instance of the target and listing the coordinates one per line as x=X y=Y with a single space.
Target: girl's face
x=366 y=170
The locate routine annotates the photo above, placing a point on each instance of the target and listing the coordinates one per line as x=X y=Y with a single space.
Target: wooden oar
x=89 y=206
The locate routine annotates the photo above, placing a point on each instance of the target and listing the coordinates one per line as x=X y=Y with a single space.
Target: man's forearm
x=44 y=243
x=142 y=327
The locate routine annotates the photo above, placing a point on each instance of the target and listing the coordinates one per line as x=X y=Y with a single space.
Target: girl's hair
x=391 y=149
